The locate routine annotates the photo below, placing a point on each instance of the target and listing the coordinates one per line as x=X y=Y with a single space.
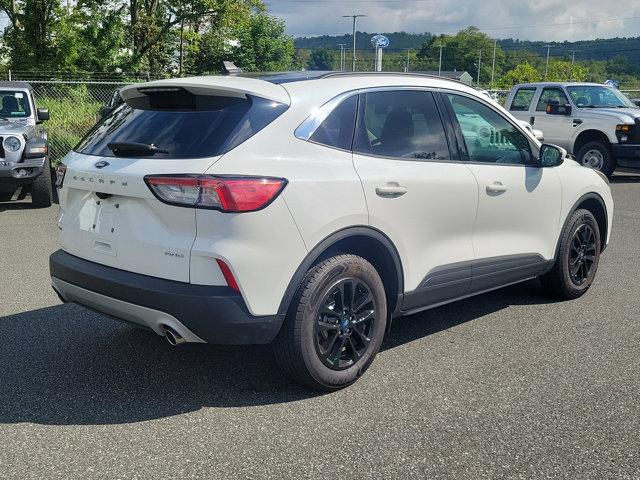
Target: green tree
x=321 y=59
x=462 y=52
x=523 y=73
x=562 y=71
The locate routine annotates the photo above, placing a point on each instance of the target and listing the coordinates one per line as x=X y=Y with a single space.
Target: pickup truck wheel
x=577 y=259
x=335 y=326
x=597 y=155
x=42 y=189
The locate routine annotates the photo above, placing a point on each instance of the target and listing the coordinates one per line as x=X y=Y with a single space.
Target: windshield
x=14 y=104
x=595 y=96
x=214 y=128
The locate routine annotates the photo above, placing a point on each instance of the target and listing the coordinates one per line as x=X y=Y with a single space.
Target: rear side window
x=522 y=100
x=182 y=125
x=337 y=129
x=401 y=124
x=554 y=95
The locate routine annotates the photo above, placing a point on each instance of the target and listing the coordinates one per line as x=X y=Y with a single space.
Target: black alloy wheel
x=345 y=324
x=582 y=255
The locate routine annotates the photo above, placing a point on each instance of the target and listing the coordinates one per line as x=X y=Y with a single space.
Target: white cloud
x=503 y=19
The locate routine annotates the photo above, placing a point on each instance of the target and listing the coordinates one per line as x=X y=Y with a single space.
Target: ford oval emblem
x=101 y=164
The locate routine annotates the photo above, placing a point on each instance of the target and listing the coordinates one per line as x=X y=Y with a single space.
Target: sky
x=553 y=20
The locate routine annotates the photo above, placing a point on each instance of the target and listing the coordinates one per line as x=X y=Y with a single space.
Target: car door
x=516 y=227
x=417 y=193
x=521 y=105
x=557 y=129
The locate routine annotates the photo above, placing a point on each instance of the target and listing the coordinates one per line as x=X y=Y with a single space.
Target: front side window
x=337 y=129
x=14 y=104
x=522 y=100
x=554 y=95
x=402 y=124
x=488 y=136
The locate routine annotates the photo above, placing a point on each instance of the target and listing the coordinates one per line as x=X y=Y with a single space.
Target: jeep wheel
x=42 y=189
x=335 y=327
x=597 y=155
x=578 y=257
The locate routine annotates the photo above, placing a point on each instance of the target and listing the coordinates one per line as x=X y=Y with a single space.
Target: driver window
x=555 y=95
x=402 y=124
x=488 y=136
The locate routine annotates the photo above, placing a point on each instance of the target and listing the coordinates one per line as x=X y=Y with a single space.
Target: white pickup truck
x=597 y=124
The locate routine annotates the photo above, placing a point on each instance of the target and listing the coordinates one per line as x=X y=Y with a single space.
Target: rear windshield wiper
x=128 y=149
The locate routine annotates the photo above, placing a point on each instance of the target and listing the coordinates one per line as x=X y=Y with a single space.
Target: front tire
x=598 y=156
x=578 y=258
x=42 y=188
x=335 y=325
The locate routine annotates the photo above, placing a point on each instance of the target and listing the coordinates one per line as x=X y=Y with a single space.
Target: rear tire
x=577 y=260
x=42 y=188
x=335 y=325
x=597 y=155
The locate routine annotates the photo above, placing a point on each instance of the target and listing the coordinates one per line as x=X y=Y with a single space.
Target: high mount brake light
x=227 y=194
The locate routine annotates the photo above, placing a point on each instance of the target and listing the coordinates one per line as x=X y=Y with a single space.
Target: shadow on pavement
x=64 y=365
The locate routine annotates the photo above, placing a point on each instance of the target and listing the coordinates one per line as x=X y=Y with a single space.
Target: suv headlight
x=12 y=144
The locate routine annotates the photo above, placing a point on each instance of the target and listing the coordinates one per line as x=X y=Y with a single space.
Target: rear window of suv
x=182 y=125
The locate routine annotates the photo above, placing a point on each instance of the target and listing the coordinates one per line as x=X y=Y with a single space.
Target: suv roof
x=300 y=76
x=16 y=85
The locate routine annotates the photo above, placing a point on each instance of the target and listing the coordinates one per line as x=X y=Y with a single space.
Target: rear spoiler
x=224 y=86
x=231 y=68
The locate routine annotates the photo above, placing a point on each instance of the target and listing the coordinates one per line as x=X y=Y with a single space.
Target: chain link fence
x=74 y=109
x=74 y=106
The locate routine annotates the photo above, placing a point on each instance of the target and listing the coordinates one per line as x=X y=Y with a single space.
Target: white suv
x=309 y=210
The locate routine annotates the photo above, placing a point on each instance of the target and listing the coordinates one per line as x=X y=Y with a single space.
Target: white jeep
x=596 y=123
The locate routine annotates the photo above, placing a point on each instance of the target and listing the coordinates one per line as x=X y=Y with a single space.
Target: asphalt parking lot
x=507 y=385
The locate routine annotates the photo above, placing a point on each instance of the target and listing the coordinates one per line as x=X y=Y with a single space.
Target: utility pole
x=440 y=62
x=493 y=68
x=546 y=68
x=573 y=61
x=180 y=69
x=479 y=65
x=407 y=67
x=355 y=18
x=342 y=55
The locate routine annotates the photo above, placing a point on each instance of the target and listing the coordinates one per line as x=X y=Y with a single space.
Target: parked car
x=24 y=149
x=597 y=124
x=309 y=210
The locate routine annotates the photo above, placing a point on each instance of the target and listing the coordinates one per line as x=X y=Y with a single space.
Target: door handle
x=496 y=188
x=391 y=190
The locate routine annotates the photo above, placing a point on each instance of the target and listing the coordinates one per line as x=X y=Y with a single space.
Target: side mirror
x=551 y=155
x=554 y=108
x=43 y=114
x=104 y=111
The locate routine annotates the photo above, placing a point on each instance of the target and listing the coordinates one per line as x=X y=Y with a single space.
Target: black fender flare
x=317 y=252
x=580 y=201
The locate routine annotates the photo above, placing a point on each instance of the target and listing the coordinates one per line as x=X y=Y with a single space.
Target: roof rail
x=400 y=74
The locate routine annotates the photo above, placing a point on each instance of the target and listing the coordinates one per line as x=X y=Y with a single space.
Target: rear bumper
x=627 y=156
x=200 y=313
x=9 y=170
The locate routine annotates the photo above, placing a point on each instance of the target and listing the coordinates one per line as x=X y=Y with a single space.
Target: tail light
x=61 y=170
x=228 y=275
x=227 y=194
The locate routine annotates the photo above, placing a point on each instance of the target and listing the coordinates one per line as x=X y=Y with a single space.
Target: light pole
x=479 y=65
x=573 y=61
x=355 y=18
x=342 y=56
x=546 y=68
x=493 y=68
x=440 y=62
x=407 y=67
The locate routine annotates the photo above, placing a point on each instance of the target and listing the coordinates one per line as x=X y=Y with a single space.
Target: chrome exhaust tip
x=173 y=337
